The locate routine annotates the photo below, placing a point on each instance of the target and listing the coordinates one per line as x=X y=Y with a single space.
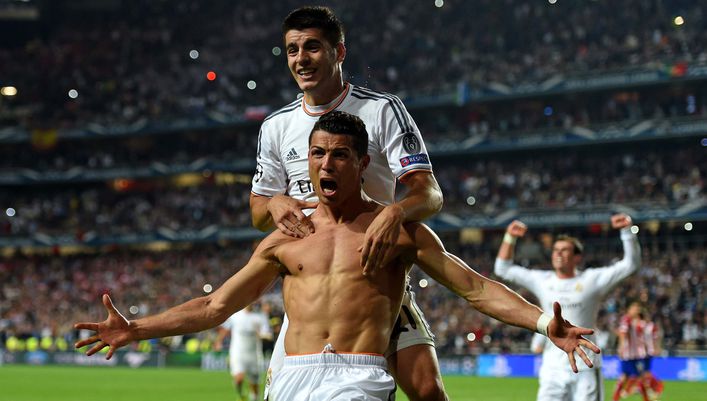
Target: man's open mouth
x=328 y=186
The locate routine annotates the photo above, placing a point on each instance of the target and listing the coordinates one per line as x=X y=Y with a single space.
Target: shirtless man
x=340 y=319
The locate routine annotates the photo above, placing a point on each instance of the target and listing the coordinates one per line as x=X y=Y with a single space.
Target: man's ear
x=340 y=52
x=364 y=162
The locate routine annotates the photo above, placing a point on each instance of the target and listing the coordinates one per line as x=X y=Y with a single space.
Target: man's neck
x=566 y=273
x=345 y=212
x=326 y=94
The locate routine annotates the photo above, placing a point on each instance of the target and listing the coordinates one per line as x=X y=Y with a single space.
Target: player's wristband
x=509 y=239
x=542 y=323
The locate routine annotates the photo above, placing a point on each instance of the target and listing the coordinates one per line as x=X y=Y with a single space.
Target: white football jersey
x=247 y=329
x=580 y=296
x=394 y=145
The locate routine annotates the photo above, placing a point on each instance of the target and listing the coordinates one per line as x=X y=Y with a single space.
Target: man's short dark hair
x=342 y=123
x=316 y=17
x=578 y=246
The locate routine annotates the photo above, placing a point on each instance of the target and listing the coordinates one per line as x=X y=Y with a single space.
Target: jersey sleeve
x=518 y=275
x=270 y=177
x=228 y=324
x=605 y=278
x=624 y=324
x=401 y=140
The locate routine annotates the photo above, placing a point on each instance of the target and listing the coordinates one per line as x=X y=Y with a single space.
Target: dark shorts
x=633 y=367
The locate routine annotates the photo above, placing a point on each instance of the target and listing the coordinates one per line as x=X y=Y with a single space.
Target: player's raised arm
x=192 y=316
x=495 y=299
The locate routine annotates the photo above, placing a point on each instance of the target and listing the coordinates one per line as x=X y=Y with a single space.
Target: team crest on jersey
x=419 y=158
x=292 y=155
x=579 y=287
x=410 y=143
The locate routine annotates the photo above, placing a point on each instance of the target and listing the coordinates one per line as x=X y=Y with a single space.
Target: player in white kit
x=579 y=292
x=282 y=191
x=248 y=328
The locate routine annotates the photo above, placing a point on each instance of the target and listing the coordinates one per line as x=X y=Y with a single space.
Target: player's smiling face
x=334 y=167
x=564 y=260
x=314 y=63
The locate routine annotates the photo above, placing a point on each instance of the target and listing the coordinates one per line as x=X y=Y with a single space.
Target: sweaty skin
x=323 y=281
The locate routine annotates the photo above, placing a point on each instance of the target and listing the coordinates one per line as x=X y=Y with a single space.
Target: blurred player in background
x=281 y=190
x=653 y=339
x=637 y=342
x=248 y=328
x=582 y=292
x=632 y=352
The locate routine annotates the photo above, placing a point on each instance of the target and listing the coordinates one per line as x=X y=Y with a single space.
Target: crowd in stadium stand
x=621 y=110
x=659 y=175
x=43 y=295
x=132 y=64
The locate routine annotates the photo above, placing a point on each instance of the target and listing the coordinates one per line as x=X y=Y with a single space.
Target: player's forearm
x=632 y=250
x=190 y=317
x=502 y=303
x=423 y=199
x=487 y=296
x=260 y=215
x=506 y=250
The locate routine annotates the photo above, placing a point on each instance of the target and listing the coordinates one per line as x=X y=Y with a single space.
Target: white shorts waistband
x=370 y=360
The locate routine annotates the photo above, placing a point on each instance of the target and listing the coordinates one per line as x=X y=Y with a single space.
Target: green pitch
x=55 y=383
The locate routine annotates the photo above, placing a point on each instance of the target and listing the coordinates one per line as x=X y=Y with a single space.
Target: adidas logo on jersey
x=292 y=155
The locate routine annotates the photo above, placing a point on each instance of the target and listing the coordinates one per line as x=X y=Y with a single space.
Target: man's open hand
x=114 y=332
x=570 y=338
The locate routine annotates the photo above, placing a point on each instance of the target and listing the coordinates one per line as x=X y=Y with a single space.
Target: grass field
x=43 y=383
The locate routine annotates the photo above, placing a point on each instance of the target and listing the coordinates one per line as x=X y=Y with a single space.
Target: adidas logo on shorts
x=292 y=155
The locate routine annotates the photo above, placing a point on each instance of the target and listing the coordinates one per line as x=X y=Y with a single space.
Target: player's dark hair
x=578 y=246
x=316 y=17
x=340 y=122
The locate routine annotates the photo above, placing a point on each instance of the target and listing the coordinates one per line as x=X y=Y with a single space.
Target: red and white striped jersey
x=650 y=331
x=634 y=333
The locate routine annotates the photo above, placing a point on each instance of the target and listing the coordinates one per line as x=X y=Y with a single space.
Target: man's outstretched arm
x=192 y=316
x=495 y=299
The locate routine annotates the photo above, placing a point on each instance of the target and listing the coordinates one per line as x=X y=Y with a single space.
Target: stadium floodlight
x=8 y=91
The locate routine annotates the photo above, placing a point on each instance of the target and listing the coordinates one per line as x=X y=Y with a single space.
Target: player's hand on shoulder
x=287 y=215
x=517 y=228
x=378 y=249
x=620 y=220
